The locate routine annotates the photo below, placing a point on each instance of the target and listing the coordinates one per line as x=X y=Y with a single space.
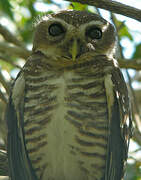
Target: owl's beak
x=74 y=49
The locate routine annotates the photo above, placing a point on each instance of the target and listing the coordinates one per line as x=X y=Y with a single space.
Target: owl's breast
x=66 y=125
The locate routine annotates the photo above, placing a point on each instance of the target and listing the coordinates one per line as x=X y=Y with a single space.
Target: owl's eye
x=94 y=33
x=56 y=30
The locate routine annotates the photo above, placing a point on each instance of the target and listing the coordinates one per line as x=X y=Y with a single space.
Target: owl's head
x=72 y=35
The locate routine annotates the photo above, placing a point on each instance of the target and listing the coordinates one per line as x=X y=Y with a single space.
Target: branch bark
x=9 y=61
x=2 y=97
x=4 y=83
x=14 y=50
x=114 y=7
x=137 y=136
x=8 y=36
x=130 y=63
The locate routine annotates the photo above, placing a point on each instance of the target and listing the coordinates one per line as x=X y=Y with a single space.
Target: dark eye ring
x=56 y=29
x=94 y=33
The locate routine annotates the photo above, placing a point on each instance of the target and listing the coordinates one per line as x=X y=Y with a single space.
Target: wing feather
x=119 y=125
x=19 y=164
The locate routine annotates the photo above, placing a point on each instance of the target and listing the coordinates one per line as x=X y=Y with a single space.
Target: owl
x=68 y=114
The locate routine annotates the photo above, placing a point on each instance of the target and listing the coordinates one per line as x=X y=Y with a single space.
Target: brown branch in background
x=14 y=50
x=9 y=61
x=114 y=7
x=2 y=97
x=8 y=36
x=4 y=83
x=137 y=136
x=125 y=63
x=130 y=63
x=98 y=11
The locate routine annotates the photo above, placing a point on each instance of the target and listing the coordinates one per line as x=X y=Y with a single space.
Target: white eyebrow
x=97 y=23
x=92 y=23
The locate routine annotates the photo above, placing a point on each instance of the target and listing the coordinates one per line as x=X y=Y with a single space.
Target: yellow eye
x=94 y=33
x=56 y=29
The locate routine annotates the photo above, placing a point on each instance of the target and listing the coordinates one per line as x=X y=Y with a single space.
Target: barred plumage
x=70 y=116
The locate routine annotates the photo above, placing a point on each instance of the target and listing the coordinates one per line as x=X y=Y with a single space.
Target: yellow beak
x=73 y=50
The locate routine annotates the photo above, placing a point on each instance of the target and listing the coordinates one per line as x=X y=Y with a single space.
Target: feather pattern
x=119 y=127
x=21 y=129
x=19 y=164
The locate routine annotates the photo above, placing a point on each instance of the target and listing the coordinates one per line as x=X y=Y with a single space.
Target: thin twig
x=4 y=83
x=130 y=63
x=8 y=36
x=137 y=136
x=2 y=97
x=14 y=50
x=124 y=63
x=9 y=61
x=98 y=11
x=114 y=7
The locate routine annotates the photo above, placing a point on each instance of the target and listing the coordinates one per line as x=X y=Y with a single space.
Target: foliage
x=18 y=17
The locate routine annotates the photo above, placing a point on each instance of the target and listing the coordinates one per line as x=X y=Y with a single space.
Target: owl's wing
x=19 y=164
x=119 y=124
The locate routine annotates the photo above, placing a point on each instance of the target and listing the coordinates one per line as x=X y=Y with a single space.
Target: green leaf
x=26 y=29
x=124 y=32
x=78 y=6
x=137 y=53
x=133 y=172
x=5 y=65
x=6 y=7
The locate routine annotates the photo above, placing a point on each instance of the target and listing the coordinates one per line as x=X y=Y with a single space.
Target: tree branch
x=130 y=63
x=14 y=50
x=137 y=136
x=8 y=36
x=2 y=97
x=4 y=83
x=9 y=61
x=114 y=7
